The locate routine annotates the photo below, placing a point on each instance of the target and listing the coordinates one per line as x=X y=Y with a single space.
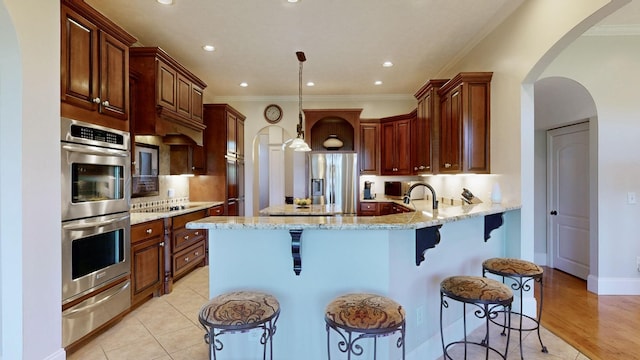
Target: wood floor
x=600 y=327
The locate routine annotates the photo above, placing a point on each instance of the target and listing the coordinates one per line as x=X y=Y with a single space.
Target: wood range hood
x=166 y=97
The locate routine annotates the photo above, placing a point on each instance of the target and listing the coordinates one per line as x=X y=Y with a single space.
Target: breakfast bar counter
x=306 y=261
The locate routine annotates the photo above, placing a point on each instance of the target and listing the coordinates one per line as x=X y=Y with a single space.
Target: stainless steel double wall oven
x=96 y=177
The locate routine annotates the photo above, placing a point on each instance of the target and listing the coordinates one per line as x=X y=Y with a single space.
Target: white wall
x=29 y=163
x=608 y=68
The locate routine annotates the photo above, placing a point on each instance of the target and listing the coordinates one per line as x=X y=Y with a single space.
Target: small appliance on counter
x=368 y=195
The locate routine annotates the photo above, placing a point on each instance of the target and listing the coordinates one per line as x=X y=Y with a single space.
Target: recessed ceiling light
x=208 y=48
x=293 y=1
x=165 y=2
x=244 y=84
x=311 y=83
x=387 y=64
x=378 y=82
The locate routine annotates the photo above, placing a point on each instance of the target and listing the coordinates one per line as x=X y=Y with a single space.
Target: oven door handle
x=93 y=150
x=93 y=224
x=100 y=298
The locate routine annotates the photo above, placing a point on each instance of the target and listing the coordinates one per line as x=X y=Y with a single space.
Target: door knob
x=553 y=212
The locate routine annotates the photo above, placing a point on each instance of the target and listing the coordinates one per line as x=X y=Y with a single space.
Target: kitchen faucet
x=407 y=196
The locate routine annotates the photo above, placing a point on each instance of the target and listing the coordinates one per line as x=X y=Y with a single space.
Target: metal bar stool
x=522 y=273
x=240 y=311
x=360 y=316
x=487 y=295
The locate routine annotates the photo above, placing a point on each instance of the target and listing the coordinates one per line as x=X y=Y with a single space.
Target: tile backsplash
x=179 y=186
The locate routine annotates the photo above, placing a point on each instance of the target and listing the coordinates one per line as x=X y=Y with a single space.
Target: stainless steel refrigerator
x=333 y=179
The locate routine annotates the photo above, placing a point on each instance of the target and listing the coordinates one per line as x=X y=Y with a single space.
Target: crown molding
x=613 y=30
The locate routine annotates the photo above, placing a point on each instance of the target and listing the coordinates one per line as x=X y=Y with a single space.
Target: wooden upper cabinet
x=167 y=82
x=94 y=67
x=169 y=99
x=196 y=103
x=395 y=145
x=369 y=150
x=464 y=125
x=184 y=96
x=424 y=156
x=232 y=141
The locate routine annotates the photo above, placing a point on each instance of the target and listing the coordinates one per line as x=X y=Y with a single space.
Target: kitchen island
x=306 y=261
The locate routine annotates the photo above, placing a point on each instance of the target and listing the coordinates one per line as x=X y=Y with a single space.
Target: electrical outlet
x=420 y=314
x=631 y=198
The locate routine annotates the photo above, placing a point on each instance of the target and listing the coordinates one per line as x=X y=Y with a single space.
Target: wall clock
x=273 y=113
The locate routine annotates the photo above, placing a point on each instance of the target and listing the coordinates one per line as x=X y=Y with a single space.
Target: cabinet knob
x=186 y=237
x=422 y=167
x=161 y=244
x=553 y=212
x=105 y=103
x=186 y=259
x=447 y=165
x=197 y=253
x=96 y=100
x=149 y=231
x=197 y=233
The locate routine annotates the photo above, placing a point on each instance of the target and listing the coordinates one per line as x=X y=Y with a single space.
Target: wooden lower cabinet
x=368 y=209
x=187 y=249
x=381 y=208
x=147 y=265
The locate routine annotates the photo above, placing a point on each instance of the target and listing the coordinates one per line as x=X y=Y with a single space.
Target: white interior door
x=568 y=199
x=276 y=175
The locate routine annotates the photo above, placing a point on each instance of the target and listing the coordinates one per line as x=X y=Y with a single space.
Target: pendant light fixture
x=298 y=144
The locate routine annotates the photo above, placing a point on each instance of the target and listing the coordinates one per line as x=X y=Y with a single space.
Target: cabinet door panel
x=147 y=265
x=79 y=67
x=450 y=133
x=196 y=103
x=232 y=146
x=403 y=147
x=167 y=80
x=114 y=78
x=369 y=149
x=476 y=131
x=232 y=179
x=387 y=159
x=184 y=96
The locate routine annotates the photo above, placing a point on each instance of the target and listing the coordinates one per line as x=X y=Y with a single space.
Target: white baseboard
x=60 y=354
x=613 y=286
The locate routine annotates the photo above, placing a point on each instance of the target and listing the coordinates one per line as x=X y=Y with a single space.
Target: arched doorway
x=559 y=103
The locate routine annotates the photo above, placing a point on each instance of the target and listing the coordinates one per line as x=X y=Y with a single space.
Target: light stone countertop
x=141 y=217
x=421 y=218
x=295 y=210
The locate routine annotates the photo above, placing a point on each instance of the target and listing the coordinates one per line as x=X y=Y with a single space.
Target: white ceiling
x=345 y=41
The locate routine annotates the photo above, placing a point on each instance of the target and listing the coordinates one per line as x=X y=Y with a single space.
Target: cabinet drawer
x=368 y=206
x=147 y=230
x=216 y=210
x=183 y=260
x=186 y=237
x=180 y=220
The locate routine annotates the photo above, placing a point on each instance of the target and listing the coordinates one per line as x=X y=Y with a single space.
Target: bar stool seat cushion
x=240 y=309
x=476 y=289
x=512 y=267
x=365 y=312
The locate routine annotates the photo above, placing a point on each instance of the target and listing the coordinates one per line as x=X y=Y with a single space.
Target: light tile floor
x=167 y=328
